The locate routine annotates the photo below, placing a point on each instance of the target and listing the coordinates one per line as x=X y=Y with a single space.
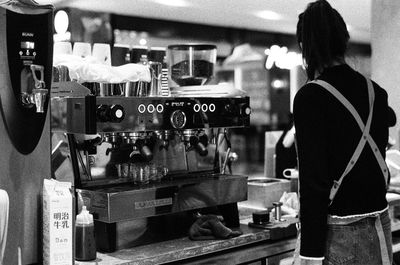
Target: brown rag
x=210 y=227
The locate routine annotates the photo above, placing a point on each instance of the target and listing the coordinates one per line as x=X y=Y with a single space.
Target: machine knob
x=245 y=109
x=178 y=119
x=113 y=113
x=241 y=109
x=116 y=113
x=230 y=108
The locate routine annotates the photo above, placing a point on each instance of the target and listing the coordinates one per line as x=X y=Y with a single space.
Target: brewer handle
x=40 y=93
x=39 y=81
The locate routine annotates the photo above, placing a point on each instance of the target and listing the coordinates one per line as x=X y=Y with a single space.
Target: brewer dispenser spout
x=193 y=140
x=163 y=137
x=39 y=93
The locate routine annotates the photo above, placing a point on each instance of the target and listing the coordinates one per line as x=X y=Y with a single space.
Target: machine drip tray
x=126 y=202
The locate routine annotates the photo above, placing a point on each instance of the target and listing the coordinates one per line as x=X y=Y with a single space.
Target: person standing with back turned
x=341 y=122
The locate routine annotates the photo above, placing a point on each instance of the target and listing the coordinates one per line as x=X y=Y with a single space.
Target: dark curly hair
x=322 y=36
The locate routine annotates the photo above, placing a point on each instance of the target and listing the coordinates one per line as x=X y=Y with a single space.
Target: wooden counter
x=253 y=245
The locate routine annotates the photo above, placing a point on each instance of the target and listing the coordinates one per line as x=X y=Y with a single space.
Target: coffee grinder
x=26 y=48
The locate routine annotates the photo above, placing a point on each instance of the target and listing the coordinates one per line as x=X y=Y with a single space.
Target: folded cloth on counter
x=89 y=69
x=210 y=227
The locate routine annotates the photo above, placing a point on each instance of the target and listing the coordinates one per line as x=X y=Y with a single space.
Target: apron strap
x=366 y=137
x=382 y=241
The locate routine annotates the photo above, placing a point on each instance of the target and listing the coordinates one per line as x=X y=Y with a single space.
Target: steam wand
x=89 y=148
x=229 y=156
x=228 y=151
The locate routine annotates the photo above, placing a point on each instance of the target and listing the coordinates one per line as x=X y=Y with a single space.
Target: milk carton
x=57 y=223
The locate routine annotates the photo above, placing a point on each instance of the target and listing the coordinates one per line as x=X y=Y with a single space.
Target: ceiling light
x=268 y=14
x=177 y=3
x=279 y=84
x=61 y=22
x=142 y=42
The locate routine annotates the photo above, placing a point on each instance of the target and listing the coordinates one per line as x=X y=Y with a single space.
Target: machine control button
x=20 y=53
x=241 y=109
x=141 y=108
x=119 y=114
x=113 y=113
x=229 y=108
x=150 y=108
x=204 y=107
x=212 y=107
x=178 y=119
x=196 y=107
x=245 y=109
x=116 y=113
x=160 y=108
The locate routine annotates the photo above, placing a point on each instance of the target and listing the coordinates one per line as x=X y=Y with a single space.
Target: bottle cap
x=84 y=217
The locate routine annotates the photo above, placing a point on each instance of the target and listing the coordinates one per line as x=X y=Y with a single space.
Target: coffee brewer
x=26 y=48
x=139 y=160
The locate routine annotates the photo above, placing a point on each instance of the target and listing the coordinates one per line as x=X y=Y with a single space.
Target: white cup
x=82 y=49
x=291 y=173
x=102 y=52
x=62 y=47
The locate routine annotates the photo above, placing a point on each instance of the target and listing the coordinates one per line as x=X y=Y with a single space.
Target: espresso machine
x=26 y=47
x=139 y=160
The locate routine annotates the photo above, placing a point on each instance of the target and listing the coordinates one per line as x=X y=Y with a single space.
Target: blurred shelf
x=396 y=226
x=251 y=169
x=396 y=244
x=393 y=199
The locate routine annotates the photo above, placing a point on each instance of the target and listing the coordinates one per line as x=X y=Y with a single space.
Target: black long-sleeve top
x=327 y=135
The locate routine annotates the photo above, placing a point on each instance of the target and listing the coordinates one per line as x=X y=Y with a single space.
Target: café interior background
x=267 y=55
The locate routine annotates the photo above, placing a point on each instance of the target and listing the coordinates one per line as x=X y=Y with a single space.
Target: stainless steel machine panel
x=127 y=114
x=126 y=202
x=136 y=158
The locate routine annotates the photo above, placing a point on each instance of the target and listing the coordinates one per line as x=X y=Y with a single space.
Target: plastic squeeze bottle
x=85 y=243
